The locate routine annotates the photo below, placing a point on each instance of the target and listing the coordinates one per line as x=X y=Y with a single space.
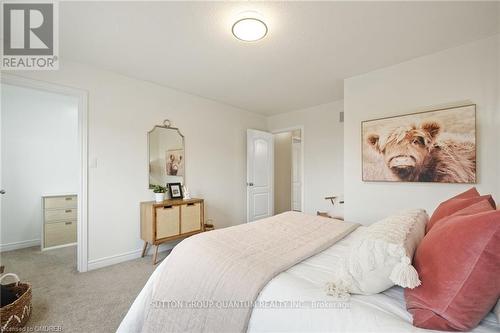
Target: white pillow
x=382 y=257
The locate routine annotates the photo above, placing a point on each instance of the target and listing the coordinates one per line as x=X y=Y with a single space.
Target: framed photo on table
x=175 y=190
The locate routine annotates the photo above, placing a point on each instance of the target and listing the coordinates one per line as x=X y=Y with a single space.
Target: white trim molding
x=19 y=245
x=82 y=96
x=58 y=246
x=116 y=259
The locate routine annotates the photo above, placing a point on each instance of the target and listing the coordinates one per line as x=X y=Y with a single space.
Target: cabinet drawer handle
x=167 y=207
x=190 y=204
x=67 y=211
x=68 y=199
x=68 y=223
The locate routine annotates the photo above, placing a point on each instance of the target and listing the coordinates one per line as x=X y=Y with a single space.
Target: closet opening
x=288 y=170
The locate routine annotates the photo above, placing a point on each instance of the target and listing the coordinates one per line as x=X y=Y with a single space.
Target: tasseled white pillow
x=382 y=258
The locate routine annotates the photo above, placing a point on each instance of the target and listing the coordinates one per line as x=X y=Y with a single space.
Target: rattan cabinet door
x=190 y=217
x=167 y=221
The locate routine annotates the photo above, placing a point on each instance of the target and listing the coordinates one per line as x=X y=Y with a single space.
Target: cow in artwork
x=422 y=153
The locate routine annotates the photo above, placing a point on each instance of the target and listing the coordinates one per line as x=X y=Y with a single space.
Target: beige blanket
x=211 y=280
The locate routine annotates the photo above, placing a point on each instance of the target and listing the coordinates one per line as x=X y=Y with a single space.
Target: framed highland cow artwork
x=433 y=146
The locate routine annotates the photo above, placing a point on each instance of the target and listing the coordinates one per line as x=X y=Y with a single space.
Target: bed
x=303 y=287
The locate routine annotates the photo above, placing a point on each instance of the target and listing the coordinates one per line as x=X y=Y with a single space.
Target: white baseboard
x=58 y=246
x=19 y=245
x=118 y=258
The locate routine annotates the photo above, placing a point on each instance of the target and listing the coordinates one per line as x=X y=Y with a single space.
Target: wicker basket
x=16 y=314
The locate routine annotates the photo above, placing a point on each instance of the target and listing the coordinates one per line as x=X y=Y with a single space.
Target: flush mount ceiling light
x=249 y=28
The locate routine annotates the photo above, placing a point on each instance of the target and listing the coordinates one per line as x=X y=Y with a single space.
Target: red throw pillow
x=455 y=204
x=470 y=193
x=458 y=262
x=479 y=207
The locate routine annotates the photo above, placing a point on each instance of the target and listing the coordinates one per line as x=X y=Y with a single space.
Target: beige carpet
x=95 y=301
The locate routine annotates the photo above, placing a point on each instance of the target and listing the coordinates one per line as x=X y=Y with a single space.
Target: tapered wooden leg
x=155 y=254
x=144 y=249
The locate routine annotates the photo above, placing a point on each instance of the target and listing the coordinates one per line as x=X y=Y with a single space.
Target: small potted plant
x=159 y=192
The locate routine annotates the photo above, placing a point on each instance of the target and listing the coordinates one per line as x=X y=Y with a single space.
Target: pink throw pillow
x=476 y=208
x=458 y=262
x=459 y=202
x=470 y=193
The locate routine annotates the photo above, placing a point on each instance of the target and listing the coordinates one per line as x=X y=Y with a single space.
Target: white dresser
x=59 y=220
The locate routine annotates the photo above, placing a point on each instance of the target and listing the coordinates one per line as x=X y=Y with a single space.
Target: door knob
x=249 y=184
x=2 y=191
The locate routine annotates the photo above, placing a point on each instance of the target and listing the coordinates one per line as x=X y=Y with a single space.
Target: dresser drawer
x=60 y=233
x=69 y=201
x=190 y=217
x=167 y=221
x=59 y=214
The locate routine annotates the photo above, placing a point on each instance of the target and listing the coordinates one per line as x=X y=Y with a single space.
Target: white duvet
x=303 y=287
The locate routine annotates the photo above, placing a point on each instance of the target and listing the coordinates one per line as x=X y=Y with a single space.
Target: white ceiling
x=311 y=46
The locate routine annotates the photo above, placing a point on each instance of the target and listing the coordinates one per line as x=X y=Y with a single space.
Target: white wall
x=323 y=151
x=39 y=156
x=121 y=111
x=468 y=73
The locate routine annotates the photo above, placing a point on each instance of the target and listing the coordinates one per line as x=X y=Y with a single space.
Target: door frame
x=290 y=129
x=82 y=96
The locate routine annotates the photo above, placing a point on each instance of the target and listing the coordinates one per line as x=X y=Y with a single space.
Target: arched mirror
x=167 y=163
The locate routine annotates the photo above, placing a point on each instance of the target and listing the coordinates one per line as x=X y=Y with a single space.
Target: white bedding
x=384 y=312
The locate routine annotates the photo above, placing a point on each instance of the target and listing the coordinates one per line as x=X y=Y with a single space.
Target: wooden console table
x=170 y=220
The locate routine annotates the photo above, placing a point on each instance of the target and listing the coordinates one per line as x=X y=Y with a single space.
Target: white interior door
x=296 y=176
x=260 y=175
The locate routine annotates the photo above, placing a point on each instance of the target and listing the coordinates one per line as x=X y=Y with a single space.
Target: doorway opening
x=288 y=170
x=43 y=174
x=275 y=177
